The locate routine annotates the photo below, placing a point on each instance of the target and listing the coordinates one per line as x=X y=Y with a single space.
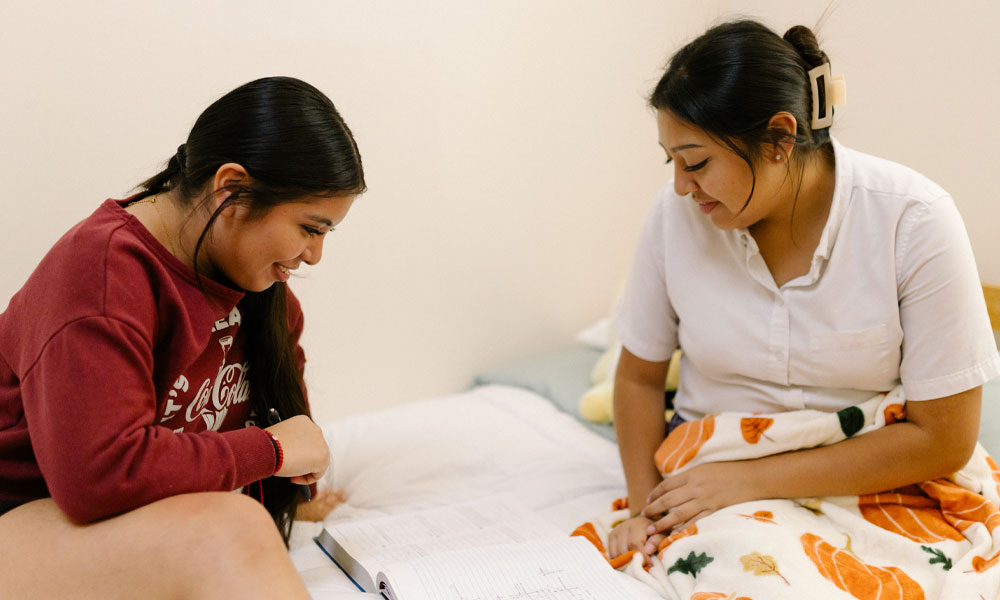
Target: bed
x=516 y=430
x=497 y=437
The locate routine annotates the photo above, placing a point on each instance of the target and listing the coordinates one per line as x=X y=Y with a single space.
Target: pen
x=273 y=418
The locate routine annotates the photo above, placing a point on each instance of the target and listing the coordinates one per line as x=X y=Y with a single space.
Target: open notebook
x=477 y=550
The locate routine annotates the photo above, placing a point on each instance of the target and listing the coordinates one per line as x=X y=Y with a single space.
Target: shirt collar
x=843 y=172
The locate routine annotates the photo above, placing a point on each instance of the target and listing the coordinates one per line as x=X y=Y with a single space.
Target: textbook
x=477 y=550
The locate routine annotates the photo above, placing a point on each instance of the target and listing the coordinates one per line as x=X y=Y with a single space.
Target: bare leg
x=210 y=545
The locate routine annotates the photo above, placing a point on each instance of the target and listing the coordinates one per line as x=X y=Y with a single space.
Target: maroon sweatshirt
x=122 y=382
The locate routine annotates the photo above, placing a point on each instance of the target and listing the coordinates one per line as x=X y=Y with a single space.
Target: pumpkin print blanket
x=937 y=539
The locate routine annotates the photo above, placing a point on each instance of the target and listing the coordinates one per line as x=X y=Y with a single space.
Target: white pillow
x=599 y=335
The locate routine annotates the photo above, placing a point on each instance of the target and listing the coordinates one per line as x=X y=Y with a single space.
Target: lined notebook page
x=377 y=542
x=550 y=569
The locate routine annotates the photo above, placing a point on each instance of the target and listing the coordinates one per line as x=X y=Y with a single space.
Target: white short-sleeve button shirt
x=893 y=295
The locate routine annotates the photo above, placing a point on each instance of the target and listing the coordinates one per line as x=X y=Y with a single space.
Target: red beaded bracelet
x=279 y=454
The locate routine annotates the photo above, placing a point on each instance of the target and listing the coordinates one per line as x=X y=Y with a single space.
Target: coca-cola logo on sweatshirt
x=223 y=385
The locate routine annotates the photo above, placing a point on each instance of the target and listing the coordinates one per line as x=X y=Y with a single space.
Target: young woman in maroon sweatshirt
x=141 y=360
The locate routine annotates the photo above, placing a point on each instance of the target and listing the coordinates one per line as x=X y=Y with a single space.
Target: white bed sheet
x=489 y=440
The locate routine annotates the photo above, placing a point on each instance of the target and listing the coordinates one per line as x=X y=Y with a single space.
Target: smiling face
x=255 y=251
x=717 y=178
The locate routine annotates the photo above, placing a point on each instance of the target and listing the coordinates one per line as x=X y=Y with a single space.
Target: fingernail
x=650 y=530
x=650 y=548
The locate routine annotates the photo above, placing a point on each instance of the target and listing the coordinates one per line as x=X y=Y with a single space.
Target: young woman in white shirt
x=794 y=273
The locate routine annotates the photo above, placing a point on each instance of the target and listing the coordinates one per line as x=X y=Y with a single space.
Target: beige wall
x=923 y=83
x=509 y=153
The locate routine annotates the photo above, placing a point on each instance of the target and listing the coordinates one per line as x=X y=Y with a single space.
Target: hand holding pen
x=306 y=456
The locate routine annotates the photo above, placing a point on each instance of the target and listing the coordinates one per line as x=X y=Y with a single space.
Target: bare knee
x=220 y=527
x=215 y=541
x=206 y=545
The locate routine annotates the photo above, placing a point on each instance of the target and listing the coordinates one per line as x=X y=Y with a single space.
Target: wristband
x=279 y=454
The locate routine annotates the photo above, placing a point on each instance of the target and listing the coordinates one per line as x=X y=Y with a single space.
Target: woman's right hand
x=306 y=453
x=641 y=428
x=630 y=534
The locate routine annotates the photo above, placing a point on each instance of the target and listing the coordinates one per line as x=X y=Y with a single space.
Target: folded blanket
x=937 y=539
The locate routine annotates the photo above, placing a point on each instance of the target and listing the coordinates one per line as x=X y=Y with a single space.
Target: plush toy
x=596 y=404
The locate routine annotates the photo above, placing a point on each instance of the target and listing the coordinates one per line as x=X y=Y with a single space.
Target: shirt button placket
x=778 y=362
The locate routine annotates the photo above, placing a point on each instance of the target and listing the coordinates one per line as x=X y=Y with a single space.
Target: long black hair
x=733 y=78
x=293 y=143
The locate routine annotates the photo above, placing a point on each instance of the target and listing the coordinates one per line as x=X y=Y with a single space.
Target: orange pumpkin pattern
x=980 y=564
x=863 y=581
x=753 y=428
x=961 y=507
x=588 y=532
x=894 y=413
x=691 y=529
x=909 y=512
x=764 y=516
x=683 y=444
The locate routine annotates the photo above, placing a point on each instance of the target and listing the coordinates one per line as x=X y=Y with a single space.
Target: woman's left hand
x=682 y=499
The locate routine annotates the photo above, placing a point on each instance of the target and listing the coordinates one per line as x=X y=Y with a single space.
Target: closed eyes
x=697 y=166
x=690 y=168
x=312 y=231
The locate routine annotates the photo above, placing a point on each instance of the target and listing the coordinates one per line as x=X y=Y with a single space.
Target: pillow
x=601 y=334
x=597 y=336
x=561 y=377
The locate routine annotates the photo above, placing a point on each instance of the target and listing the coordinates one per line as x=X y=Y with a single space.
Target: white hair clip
x=827 y=92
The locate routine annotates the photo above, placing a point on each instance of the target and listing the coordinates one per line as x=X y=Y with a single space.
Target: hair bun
x=804 y=41
x=181 y=157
